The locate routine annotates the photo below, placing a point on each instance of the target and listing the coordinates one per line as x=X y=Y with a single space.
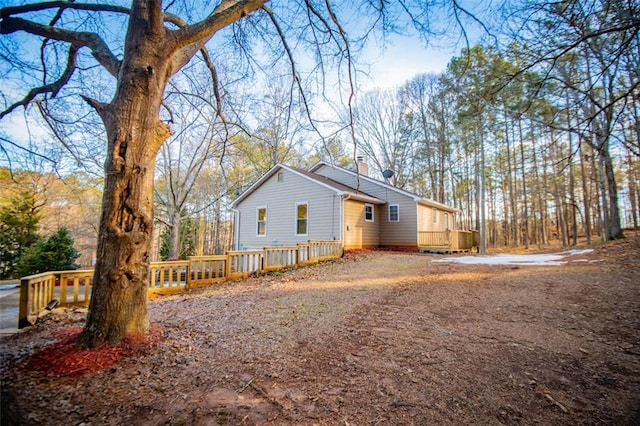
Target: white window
x=446 y=221
x=301 y=218
x=280 y=177
x=368 y=212
x=261 y=223
x=394 y=213
x=434 y=212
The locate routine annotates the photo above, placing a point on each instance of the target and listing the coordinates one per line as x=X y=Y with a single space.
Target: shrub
x=56 y=253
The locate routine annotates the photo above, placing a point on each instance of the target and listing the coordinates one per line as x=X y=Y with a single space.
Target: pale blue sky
x=403 y=58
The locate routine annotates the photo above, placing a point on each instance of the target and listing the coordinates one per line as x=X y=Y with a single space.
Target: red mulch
x=64 y=359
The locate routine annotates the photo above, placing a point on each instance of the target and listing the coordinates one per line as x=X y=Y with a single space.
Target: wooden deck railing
x=447 y=240
x=69 y=288
x=74 y=287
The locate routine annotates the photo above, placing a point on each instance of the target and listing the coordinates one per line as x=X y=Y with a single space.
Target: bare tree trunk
x=506 y=231
x=586 y=197
x=539 y=220
x=118 y=305
x=614 y=224
x=454 y=196
x=604 y=209
x=515 y=194
x=174 y=236
x=218 y=227
x=492 y=224
x=525 y=218
x=572 y=191
x=546 y=189
x=633 y=190
x=558 y=191
x=512 y=196
x=481 y=193
x=471 y=211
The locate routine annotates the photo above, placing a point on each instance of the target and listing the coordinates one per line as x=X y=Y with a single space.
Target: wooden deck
x=447 y=241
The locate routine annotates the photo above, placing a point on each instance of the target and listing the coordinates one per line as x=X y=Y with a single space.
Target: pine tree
x=18 y=230
x=56 y=253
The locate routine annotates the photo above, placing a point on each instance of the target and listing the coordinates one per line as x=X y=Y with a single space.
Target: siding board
x=403 y=233
x=280 y=199
x=358 y=233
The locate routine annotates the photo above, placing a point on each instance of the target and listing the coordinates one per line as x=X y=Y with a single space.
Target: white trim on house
x=266 y=217
x=415 y=197
x=397 y=206
x=341 y=236
x=373 y=212
x=278 y=167
x=296 y=219
x=439 y=206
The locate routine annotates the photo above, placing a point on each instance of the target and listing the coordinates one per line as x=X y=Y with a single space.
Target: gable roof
x=418 y=199
x=326 y=182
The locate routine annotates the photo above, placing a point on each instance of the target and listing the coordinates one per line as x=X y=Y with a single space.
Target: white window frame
x=434 y=213
x=258 y=234
x=397 y=206
x=446 y=221
x=373 y=212
x=295 y=215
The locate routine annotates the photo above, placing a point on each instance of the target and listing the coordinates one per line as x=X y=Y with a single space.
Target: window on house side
x=368 y=212
x=446 y=221
x=434 y=212
x=394 y=213
x=301 y=218
x=261 y=225
x=280 y=176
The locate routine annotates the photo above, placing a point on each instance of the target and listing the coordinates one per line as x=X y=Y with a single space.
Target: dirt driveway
x=374 y=338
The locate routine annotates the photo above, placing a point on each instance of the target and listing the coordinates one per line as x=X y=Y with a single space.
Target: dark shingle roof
x=336 y=185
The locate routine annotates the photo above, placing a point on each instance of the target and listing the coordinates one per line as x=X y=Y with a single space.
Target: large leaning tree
x=142 y=57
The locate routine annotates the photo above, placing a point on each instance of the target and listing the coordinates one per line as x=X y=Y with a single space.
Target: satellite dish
x=387 y=173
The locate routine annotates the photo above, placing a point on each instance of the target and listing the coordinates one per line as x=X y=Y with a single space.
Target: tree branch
x=52 y=88
x=47 y=118
x=22 y=148
x=188 y=40
x=99 y=48
x=352 y=91
x=7 y=12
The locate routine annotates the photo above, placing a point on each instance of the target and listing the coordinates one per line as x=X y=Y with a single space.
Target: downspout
x=344 y=198
x=335 y=235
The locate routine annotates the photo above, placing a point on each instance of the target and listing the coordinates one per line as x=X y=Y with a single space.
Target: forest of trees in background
x=529 y=142
x=535 y=143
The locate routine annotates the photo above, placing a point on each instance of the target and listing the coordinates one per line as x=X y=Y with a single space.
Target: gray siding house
x=288 y=205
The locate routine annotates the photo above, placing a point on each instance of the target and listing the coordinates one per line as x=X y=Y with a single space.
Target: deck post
x=187 y=278
x=23 y=308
